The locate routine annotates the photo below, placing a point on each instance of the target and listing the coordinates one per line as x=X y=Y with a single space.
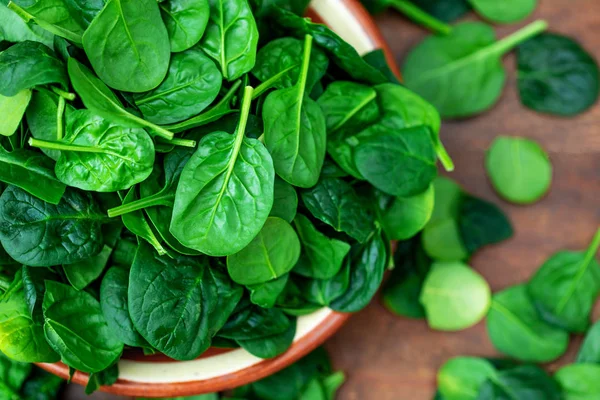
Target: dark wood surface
x=390 y=358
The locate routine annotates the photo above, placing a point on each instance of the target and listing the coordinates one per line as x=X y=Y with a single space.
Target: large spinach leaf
x=28 y=64
x=185 y=21
x=566 y=286
x=295 y=131
x=461 y=74
x=127 y=52
x=101 y=156
x=271 y=254
x=171 y=301
x=76 y=329
x=231 y=37
x=40 y=234
x=101 y=100
x=31 y=172
x=556 y=75
x=192 y=83
x=225 y=192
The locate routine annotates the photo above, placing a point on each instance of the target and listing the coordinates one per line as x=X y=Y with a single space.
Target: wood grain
x=390 y=358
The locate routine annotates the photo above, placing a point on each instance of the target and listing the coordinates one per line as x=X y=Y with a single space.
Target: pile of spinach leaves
x=169 y=187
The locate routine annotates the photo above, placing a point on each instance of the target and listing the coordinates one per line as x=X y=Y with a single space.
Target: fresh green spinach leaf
x=506 y=12
x=185 y=21
x=13 y=109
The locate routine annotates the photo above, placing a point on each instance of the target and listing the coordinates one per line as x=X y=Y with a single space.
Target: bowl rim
x=316 y=337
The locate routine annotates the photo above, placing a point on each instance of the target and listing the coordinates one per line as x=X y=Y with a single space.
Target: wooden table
x=390 y=358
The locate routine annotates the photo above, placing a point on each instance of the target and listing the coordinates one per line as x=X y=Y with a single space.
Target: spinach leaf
x=271 y=254
x=13 y=374
x=556 y=75
x=589 y=352
x=378 y=59
x=506 y=12
x=516 y=329
x=115 y=307
x=527 y=381
x=77 y=331
x=52 y=15
x=270 y=346
x=279 y=63
x=265 y=294
x=335 y=202
x=192 y=83
x=185 y=21
x=127 y=52
x=403 y=288
x=229 y=295
x=31 y=172
x=34 y=287
x=339 y=51
x=454 y=296
x=136 y=222
x=163 y=293
x=13 y=109
x=101 y=156
x=21 y=336
x=285 y=200
x=106 y=377
x=84 y=11
x=482 y=223
x=442 y=240
x=519 y=169
x=444 y=10
x=225 y=192
x=28 y=64
x=325 y=291
x=321 y=257
x=348 y=103
x=231 y=38
x=99 y=99
x=460 y=378
x=80 y=274
x=368 y=262
x=14 y=29
x=566 y=286
x=295 y=132
x=579 y=381
x=400 y=163
x=412 y=11
x=251 y=322
x=461 y=74
x=40 y=234
x=43 y=120
x=404 y=217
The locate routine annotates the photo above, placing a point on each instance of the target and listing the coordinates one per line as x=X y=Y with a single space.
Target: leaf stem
x=177 y=142
x=508 y=43
x=244 y=112
x=443 y=155
x=63 y=94
x=158 y=130
x=266 y=85
x=158 y=199
x=305 y=62
x=4 y=283
x=19 y=11
x=46 y=144
x=421 y=17
x=59 y=117
x=593 y=248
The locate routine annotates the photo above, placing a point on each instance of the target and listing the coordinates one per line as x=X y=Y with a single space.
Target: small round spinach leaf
x=127 y=52
x=40 y=234
x=404 y=217
x=460 y=378
x=270 y=255
x=579 y=381
x=556 y=75
x=185 y=21
x=519 y=169
x=516 y=329
x=76 y=329
x=454 y=296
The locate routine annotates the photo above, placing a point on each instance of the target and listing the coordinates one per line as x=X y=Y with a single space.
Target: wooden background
x=390 y=358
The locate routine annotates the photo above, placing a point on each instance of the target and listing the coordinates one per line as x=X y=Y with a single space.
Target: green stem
x=178 y=142
x=208 y=116
x=305 y=62
x=244 y=112
x=512 y=40
x=593 y=248
x=4 y=283
x=421 y=17
x=59 y=117
x=158 y=130
x=268 y=84
x=63 y=94
x=158 y=199
x=46 y=144
x=443 y=155
x=20 y=12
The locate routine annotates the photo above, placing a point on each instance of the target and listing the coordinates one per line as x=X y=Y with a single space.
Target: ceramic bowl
x=219 y=369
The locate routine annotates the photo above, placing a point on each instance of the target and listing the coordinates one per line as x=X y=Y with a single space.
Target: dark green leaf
x=526 y=382
x=185 y=21
x=482 y=223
